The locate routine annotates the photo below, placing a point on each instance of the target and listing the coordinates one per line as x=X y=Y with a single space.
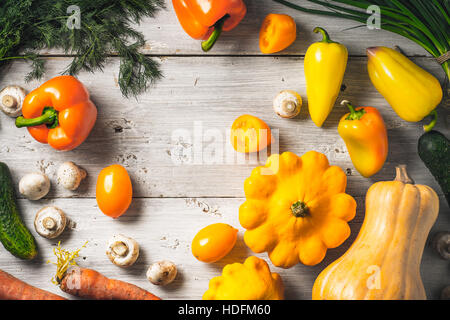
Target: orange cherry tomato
x=114 y=191
x=250 y=134
x=278 y=32
x=214 y=242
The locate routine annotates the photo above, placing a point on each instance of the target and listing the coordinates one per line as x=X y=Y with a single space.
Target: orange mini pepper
x=59 y=113
x=205 y=19
x=365 y=136
x=250 y=134
x=278 y=32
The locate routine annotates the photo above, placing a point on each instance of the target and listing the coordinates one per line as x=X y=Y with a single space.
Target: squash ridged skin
x=384 y=261
x=14 y=235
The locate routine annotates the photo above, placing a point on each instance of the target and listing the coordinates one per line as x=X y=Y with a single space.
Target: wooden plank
x=165 y=36
x=164 y=229
x=156 y=138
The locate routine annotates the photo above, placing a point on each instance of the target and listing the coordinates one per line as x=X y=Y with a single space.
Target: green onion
x=425 y=22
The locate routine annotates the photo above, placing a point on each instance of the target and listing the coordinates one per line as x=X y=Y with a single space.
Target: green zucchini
x=434 y=150
x=14 y=235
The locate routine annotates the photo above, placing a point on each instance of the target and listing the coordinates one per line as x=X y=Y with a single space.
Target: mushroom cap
x=161 y=272
x=34 y=186
x=441 y=242
x=123 y=251
x=70 y=175
x=11 y=99
x=50 y=222
x=287 y=104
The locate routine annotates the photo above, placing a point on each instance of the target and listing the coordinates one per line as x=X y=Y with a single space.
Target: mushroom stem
x=120 y=248
x=9 y=101
x=402 y=175
x=49 y=223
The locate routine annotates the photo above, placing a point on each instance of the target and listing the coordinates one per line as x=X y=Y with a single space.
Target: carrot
x=12 y=288
x=90 y=284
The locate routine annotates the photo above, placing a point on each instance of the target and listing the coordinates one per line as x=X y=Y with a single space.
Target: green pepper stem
x=354 y=114
x=326 y=36
x=433 y=121
x=49 y=117
x=218 y=27
x=300 y=209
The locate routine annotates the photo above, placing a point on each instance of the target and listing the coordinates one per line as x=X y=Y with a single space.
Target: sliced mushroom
x=70 y=175
x=162 y=272
x=34 y=186
x=123 y=251
x=441 y=242
x=287 y=104
x=50 y=222
x=11 y=99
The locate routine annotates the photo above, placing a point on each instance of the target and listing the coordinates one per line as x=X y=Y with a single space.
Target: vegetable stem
x=354 y=114
x=430 y=126
x=300 y=209
x=49 y=117
x=218 y=26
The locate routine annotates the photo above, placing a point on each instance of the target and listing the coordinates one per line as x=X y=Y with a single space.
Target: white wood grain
x=212 y=92
x=165 y=36
x=164 y=229
x=172 y=198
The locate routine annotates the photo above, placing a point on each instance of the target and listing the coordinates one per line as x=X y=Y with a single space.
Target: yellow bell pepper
x=296 y=208
x=249 y=281
x=411 y=91
x=325 y=64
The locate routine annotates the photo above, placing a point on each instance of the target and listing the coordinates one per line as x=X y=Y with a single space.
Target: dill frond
x=106 y=29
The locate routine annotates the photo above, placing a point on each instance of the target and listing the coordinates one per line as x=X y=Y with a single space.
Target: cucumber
x=14 y=235
x=434 y=150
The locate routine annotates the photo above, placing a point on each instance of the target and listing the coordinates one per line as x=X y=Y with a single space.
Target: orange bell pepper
x=59 y=113
x=365 y=136
x=278 y=32
x=205 y=19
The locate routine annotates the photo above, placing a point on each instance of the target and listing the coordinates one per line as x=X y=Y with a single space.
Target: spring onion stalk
x=425 y=22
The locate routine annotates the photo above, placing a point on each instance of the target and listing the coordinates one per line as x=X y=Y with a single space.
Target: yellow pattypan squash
x=251 y=280
x=296 y=208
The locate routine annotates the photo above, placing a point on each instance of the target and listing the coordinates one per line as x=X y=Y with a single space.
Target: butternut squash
x=384 y=261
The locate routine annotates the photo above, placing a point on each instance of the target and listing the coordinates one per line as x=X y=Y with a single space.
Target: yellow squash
x=249 y=281
x=325 y=64
x=296 y=208
x=411 y=91
x=384 y=261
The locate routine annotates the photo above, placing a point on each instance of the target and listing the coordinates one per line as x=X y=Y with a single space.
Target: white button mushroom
x=50 y=222
x=123 y=251
x=11 y=99
x=287 y=104
x=70 y=175
x=162 y=272
x=34 y=186
x=441 y=242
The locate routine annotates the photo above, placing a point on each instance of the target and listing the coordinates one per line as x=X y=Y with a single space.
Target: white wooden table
x=173 y=197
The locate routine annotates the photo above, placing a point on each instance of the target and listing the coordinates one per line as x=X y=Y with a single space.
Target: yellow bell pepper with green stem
x=325 y=64
x=411 y=91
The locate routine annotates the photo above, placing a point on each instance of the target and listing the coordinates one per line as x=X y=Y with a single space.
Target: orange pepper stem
x=326 y=37
x=354 y=114
x=49 y=117
x=218 y=26
x=300 y=209
x=431 y=125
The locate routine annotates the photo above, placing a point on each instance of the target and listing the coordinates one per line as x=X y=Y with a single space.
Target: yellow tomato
x=114 y=191
x=214 y=242
x=250 y=134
